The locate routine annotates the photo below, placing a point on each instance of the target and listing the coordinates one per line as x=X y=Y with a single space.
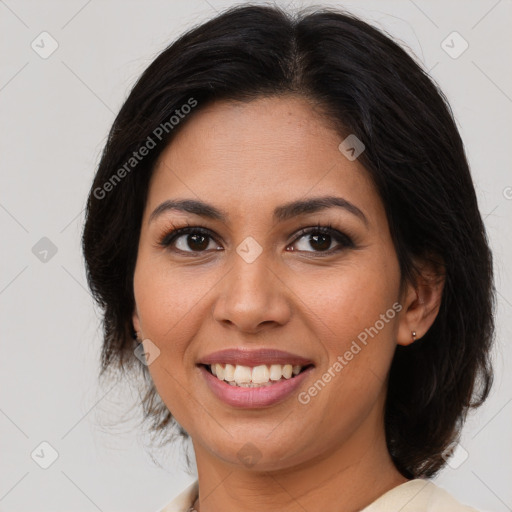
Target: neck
x=347 y=478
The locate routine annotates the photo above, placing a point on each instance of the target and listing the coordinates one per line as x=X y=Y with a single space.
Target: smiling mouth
x=255 y=376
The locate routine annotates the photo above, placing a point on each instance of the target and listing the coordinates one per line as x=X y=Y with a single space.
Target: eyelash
x=344 y=240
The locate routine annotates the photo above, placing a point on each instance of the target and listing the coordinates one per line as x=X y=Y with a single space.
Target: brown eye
x=191 y=240
x=195 y=242
x=322 y=239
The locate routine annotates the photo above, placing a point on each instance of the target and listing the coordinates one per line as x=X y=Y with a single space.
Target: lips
x=246 y=357
x=254 y=397
x=246 y=394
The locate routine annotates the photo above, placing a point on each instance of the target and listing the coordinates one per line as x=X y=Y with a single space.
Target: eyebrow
x=281 y=213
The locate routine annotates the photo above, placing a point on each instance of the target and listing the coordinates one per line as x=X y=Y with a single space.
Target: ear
x=421 y=302
x=136 y=322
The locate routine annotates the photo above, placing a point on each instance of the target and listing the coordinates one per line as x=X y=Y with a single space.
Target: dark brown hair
x=368 y=86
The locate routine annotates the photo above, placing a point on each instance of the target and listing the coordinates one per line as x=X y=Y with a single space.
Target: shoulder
x=184 y=500
x=419 y=495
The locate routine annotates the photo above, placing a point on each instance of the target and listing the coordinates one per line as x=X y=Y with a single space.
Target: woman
x=284 y=230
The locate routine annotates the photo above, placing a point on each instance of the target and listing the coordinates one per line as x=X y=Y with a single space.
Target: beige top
x=418 y=495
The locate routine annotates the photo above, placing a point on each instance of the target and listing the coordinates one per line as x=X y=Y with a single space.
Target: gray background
x=56 y=112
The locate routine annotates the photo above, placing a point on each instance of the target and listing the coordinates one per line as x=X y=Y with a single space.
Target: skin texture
x=246 y=159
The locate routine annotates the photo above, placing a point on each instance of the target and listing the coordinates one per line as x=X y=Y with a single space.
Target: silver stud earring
x=413 y=333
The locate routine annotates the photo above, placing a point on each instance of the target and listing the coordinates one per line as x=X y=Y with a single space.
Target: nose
x=252 y=297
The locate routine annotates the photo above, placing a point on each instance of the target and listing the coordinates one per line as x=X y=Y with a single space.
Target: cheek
x=356 y=324
x=353 y=296
x=169 y=301
x=170 y=308
x=354 y=314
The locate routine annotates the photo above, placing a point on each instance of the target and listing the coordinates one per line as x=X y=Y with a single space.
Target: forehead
x=279 y=149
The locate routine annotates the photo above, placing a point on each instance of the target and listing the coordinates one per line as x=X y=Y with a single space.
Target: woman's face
x=254 y=279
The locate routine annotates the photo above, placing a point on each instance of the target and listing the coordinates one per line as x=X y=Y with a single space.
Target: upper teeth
x=238 y=374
